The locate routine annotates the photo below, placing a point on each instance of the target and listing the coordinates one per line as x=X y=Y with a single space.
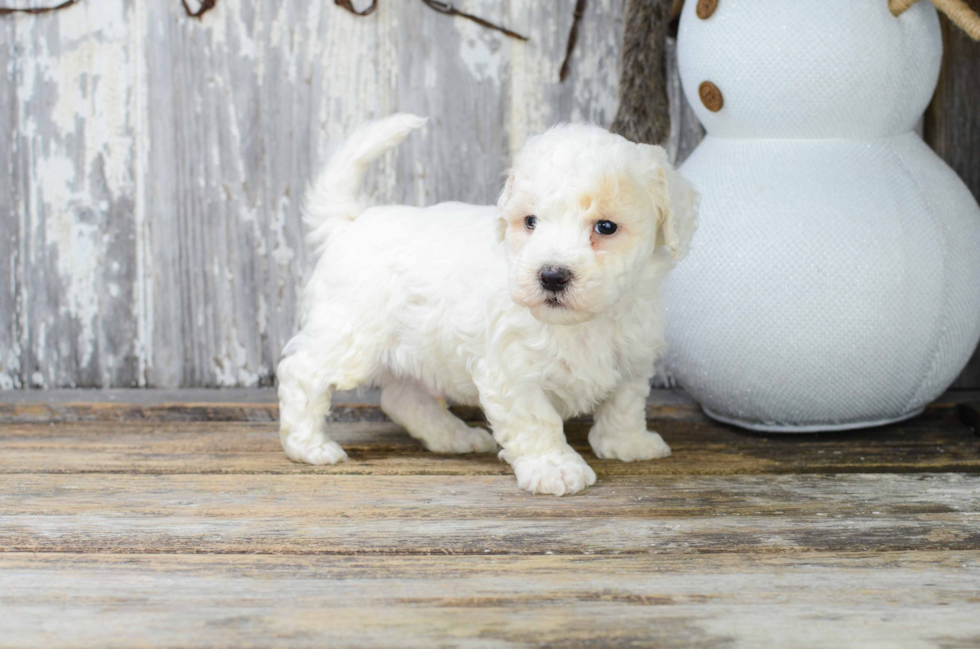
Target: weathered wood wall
x=150 y=218
x=952 y=127
x=149 y=228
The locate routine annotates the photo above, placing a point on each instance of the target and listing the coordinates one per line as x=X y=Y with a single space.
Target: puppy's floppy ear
x=676 y=199
x=502 y=204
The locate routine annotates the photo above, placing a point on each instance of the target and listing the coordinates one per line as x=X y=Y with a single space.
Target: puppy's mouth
x=554 y=302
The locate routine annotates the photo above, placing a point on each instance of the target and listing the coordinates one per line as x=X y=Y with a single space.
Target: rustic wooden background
x=149 y=228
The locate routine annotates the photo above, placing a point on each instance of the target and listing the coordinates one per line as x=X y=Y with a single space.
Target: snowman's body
x=835 y=279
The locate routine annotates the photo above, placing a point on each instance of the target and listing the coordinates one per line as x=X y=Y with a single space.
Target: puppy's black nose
x=555 y=278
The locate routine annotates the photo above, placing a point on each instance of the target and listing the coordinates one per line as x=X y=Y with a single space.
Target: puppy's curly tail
x=336 y=192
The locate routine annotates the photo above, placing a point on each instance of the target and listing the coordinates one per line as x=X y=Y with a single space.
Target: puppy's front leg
x=529 y=431
x=620 y=429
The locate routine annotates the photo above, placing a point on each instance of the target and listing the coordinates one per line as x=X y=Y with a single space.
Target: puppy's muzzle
x=554 y=279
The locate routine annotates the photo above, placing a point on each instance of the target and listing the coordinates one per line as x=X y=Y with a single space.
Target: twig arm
x=958 y=11
x=962 y=15
x=898 y=7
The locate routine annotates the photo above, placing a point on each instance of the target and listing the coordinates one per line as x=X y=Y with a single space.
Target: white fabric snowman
x=835 y=278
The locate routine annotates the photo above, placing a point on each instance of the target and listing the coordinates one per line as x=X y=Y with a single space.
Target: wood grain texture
x=73 y=82
x=801 y=600
x=382 y=448
x=308 y=514
x=151 y=233
x=10 y=222
x=245 y=404
x=200 y=533
x=262 y=405
x=952 y=127
x=231 y=139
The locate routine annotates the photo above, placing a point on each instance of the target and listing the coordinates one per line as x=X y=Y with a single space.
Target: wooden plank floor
x=173 y=519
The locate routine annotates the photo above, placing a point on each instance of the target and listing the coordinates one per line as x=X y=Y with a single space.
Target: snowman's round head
x=584 y=214
x=810 y=68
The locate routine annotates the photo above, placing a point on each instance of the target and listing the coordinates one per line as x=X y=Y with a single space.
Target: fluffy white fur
x=446 y=302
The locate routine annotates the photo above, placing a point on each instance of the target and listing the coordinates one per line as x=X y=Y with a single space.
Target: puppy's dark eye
x=605 y=227
x=530 y=222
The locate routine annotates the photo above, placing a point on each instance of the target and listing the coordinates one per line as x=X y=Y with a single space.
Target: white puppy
x=542 y=308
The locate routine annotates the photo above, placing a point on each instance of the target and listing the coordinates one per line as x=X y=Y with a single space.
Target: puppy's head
x=582 y=215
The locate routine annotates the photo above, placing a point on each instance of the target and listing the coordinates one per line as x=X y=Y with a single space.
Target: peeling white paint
x=10 y=369
x=143 y=346
x=231 y=367
x=532 y=73
x=481 y=51
x=282 y=253
x=72 y=96
x=596 y=86
x=262 y=316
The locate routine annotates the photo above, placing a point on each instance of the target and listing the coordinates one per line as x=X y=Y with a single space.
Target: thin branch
x=957 y=11
x=4 y=11
x=898 y=7
x=572 y=37
x=206 y=6
x=441 y=7
x=346 y=4
x=449 y=10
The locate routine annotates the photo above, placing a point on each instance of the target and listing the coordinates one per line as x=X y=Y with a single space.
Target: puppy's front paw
x=315 y=453
x=629 y=448
x=558 y=473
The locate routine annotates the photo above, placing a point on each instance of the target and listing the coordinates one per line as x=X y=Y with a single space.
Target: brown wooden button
x=711 y=96
x=706 y=8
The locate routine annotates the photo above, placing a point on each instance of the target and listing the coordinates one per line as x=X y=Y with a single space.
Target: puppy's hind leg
x=304 y=402
x=425 y=419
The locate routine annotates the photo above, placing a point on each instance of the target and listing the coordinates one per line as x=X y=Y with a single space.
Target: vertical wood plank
x=589 y=93
x=457 y=73
x=10 y=258
x=952 y=128
x=73 y=88
x=230 y=100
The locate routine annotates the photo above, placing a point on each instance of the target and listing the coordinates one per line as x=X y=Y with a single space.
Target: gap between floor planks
x=936 y=442
x=246 y=404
